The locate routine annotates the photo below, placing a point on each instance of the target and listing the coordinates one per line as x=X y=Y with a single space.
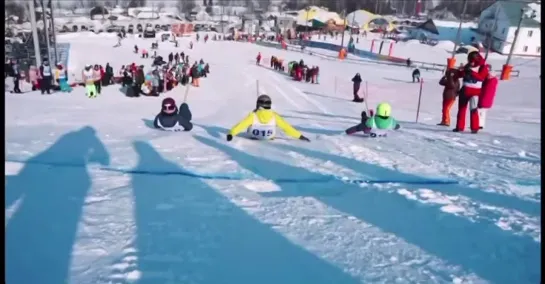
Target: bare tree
x=160 y=6
x=14 y=8
x=185 y=6
x=136 y=3
x=264 y=4
x=93 y=3
x=249 y=5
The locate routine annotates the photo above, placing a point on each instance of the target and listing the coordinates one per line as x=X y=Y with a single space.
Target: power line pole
x=54 y=33
x=34 y=28
x=490 y=36
x=517 y=32
x=344 y=28
x=458 y=33
x=46 y=29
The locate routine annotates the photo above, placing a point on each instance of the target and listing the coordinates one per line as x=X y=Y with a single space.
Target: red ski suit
x=473 y=75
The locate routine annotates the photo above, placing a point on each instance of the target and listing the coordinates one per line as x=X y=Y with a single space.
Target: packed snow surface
x=95 y=195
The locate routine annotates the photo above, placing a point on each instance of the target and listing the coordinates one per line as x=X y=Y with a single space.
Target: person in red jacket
x=473 y=74
x=258 y=58
x=486 y=98
x=102 y=73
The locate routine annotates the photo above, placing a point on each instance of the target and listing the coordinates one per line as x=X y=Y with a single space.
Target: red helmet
x=169 y=106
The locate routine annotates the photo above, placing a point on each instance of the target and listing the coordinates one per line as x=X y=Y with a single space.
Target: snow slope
x=529 y=67
x=94 y=195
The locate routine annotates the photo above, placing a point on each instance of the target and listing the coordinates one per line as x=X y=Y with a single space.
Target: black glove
x=304 y=138
x=229 y=137
x=467 y=69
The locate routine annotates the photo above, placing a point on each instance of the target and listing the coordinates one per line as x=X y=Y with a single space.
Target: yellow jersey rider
x=262 y=122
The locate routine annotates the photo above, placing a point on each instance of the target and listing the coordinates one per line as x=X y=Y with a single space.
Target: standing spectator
x=97 y=78
x=450 y=92
x=109 y=75
x=356 y=87
x=139 y=79
x=16 y=73
x=47 y=77
x=416 y=75
x=473 y=74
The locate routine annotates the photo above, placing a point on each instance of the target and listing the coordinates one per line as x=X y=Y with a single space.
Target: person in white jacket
x=89 y=80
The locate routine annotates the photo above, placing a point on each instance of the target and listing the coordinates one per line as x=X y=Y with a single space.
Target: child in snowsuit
x=450 y=92
x=170 y=119
x=62 y=78
x=89 y=80
x=376 y=125
x=261 y=123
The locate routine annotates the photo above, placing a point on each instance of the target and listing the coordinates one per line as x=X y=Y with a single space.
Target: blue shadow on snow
x=485 y=249
x=188 y=232
x=493 y=198
x=42 y=231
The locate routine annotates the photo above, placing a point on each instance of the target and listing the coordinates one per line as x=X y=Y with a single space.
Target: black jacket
x=180 y=120
x=357 y=79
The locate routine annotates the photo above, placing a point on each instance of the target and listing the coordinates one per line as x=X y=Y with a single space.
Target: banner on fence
x=181 y=29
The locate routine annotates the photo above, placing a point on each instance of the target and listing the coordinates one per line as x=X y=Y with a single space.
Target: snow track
x=94 y=195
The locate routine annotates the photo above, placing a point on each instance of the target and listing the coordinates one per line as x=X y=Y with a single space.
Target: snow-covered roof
x=317 y=13
x=147 y=15
x=360 y=18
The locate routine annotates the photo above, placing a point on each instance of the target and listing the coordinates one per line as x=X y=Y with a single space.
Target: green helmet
x=384 y=109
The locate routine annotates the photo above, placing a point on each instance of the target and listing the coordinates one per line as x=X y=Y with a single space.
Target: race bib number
x=262 y=133
x=377 y=133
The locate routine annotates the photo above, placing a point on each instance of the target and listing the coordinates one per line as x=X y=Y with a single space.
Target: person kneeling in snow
x=170 y=119
x=376 y=125
x=261 y=123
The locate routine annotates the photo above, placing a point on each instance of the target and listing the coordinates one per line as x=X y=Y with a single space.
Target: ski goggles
x=169 y=108
x=264 y=103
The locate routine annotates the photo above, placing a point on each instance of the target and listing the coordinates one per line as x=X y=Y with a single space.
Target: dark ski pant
x=463 y=102
x=16 y=85
x=161 y=87
x=356 y=89
x=416 y=78
x=358 y=127
x=98 y=86
x=126 y=81
x=45 y=84
x=185 y=116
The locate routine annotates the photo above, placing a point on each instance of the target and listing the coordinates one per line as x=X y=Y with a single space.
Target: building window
x=538 y=49
x=525 y=48
x=530 y=33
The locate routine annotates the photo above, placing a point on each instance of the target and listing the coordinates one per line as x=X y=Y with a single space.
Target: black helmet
x=472 y=56
x=264 y=101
